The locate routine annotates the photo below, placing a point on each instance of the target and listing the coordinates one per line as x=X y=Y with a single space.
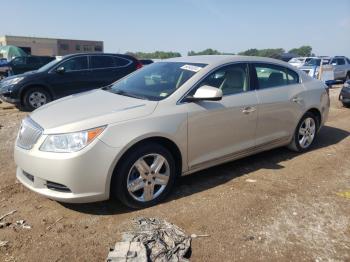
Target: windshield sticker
x=191 y=68
x=163 y=94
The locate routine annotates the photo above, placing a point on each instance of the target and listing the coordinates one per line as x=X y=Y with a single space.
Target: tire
x=346 y=104
x=35 y=97
x=132 y=181
x=299 y=144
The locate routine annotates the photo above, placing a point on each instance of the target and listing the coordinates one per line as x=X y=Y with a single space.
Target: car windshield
x=314 y=62
x=49 y=65
x=156 y=81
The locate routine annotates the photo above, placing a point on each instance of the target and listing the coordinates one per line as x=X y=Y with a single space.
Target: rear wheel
x=305 y=133
x=35 y=97
x=144 y=177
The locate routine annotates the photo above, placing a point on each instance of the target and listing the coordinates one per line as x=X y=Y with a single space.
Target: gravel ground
x=274 y=206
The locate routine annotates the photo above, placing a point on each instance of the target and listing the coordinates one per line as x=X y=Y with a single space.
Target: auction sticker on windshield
x=191 y=68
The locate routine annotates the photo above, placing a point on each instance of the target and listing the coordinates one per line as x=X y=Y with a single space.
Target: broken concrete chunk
x=128 y=251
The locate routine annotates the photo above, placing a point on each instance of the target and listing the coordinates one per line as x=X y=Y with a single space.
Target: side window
x=271 y=76
x=348 y=60
x=121 y=61
x=33 y=60
x=74 y=64
x=101 y=62
x=340 y=61
x=19 y=61
x=231 y=79
x=293 y=77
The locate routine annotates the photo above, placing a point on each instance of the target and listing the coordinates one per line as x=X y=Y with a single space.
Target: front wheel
x=305 y=133
x=35 y=97
x=144 y=177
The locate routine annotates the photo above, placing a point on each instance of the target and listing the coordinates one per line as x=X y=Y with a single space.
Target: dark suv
x=22 y=64
x=62 y=77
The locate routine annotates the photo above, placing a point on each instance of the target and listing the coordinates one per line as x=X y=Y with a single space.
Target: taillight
x=138 y=65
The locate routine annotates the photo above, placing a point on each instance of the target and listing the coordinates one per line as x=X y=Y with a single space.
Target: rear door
x=339 y=66
x=280 y=98
x=105 y=69
x=222 y=129
x=73 y=80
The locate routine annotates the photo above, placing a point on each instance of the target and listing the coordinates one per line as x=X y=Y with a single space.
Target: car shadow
x=215 y=176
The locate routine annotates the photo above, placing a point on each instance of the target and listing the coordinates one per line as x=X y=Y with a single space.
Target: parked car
x=312 y=67
x=341 y=65
x=62 y=77
x=344 y=95
x=22 y=64
x=299 y=61
x=135 y=137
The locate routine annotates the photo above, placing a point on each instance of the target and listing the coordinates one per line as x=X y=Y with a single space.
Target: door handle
x=248 y=110
x=297 y=99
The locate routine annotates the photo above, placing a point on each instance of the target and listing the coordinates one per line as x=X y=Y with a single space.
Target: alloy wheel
x=307 y=132
x=148 y=177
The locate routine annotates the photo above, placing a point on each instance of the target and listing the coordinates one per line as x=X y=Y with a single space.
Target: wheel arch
x=27 y=87
x=169 y=144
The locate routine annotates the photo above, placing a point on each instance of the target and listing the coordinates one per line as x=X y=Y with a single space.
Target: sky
x=184 y=25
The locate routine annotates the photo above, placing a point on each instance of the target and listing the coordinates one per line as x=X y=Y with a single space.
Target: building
x=51 y=46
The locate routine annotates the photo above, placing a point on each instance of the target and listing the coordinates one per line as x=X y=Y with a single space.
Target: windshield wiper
x=124 y=93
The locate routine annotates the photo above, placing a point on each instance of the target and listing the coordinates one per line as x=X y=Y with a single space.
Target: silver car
x=132 y=139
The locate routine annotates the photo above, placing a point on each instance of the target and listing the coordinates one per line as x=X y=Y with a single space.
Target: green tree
x=269 y=52
x=207 y=51
x=304 y=50
x=154 y=55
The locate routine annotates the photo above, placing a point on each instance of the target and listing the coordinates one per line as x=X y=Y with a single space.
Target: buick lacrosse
x=132 y=139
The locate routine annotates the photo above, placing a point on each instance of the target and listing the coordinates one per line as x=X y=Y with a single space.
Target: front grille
x=57 y=187
x=28 y=134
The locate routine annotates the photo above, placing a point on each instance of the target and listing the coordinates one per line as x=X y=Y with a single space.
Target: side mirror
x=60 y=70
x=208 y=93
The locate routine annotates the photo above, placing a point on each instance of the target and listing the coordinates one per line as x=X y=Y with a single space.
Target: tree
x=269 y=52
x=207 y=51
x=304 y=50
x=154 y=55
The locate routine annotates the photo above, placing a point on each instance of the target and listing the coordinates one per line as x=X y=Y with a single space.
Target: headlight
x=70 y=142
x=12 y=81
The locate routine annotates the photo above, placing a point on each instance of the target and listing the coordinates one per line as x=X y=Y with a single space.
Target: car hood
x=88 y=110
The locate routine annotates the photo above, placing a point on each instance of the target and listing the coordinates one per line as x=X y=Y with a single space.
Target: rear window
x=101 y=62
x=273 y=76
x=121 y=61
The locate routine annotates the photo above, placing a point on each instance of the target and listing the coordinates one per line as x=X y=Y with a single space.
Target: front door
x=221 y=129
x=73 y=79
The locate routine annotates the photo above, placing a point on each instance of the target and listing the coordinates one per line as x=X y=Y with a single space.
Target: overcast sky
x=183 y=25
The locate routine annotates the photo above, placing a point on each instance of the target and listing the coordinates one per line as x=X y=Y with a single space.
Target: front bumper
x=9 y=99
x=79 y=177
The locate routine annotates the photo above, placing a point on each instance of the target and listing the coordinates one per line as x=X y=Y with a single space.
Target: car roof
x=215 y=60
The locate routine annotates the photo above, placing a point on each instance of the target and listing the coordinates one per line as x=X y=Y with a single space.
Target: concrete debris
x=128 y=251
x=3 y=243
x=162 y=240
x=23 y=224
x=250 y=180
x=197 y=236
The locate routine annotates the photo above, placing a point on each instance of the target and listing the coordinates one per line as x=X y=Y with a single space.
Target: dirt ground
x=274 y=206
